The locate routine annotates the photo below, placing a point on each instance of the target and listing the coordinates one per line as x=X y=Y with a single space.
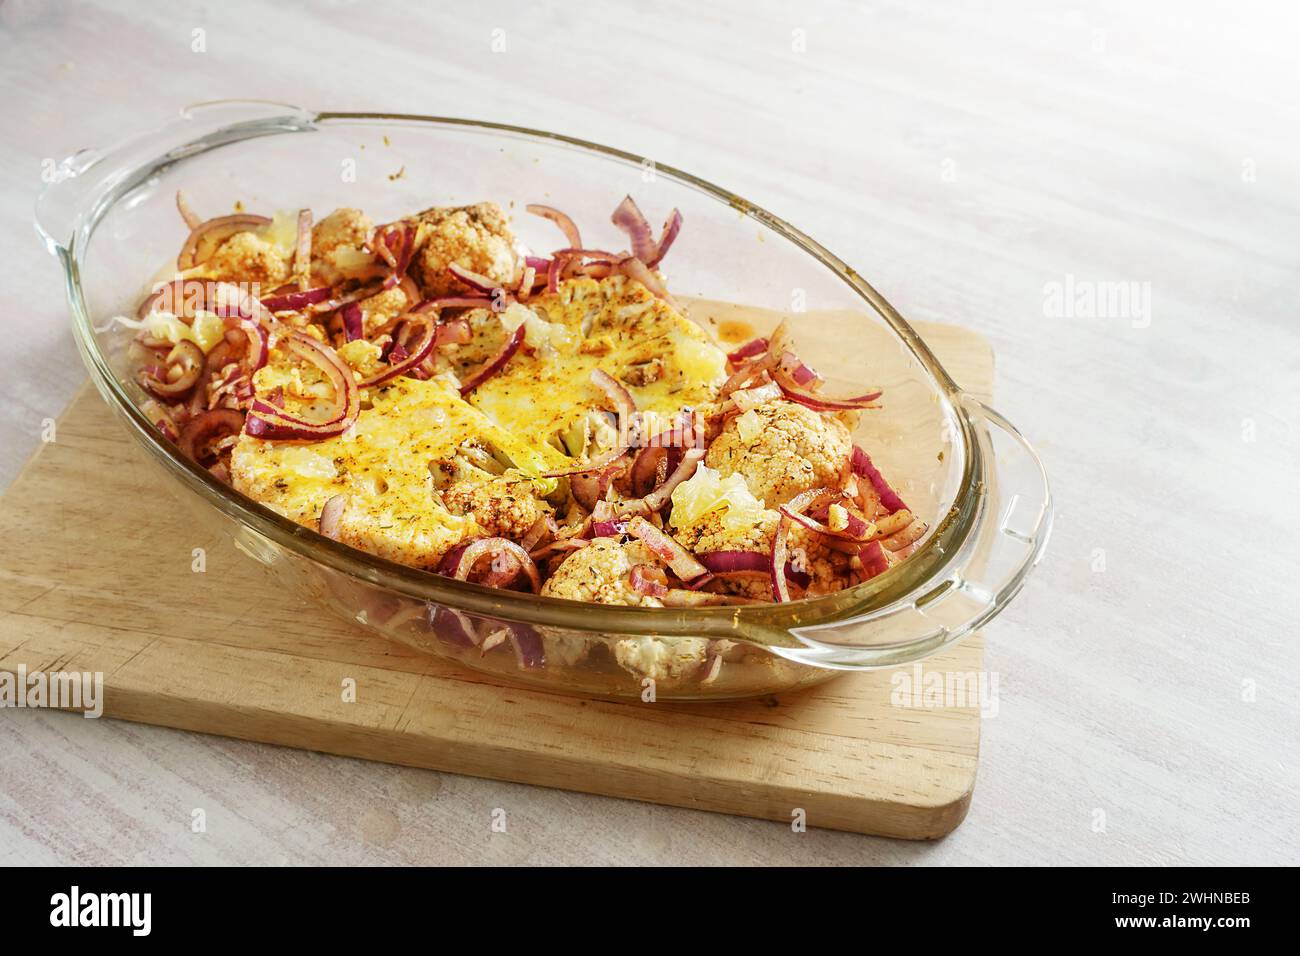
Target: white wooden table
x=972 y=160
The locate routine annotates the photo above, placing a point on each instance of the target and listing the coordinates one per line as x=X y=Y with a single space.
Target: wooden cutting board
x=96 y=574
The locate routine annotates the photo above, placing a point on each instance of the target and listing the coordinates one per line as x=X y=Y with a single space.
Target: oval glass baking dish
x=109 y=216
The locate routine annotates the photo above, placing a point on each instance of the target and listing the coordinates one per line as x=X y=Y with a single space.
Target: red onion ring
x=199 y=431
x=636 y=269
x=667 y=549
x=475 y=281
x=455 y=302
x=353 y=322
x=672 y=226
x=496 y=362
x=330 y=513
x=862 y=467
x=589 y=487
x=649 y=580
x=797 y=393
x=691 y=459
x=797 y=370
x=628 y=217
x=268 y=422
x=530 y=651
x=189 y=357
x=204 y=238
x=780 y=555
x=797 y=509
x=395 y=244
x=192 y=219
x=415 y=353
x=297 y=301
x=543 y=531
x=571 y=234
x=618 y=395
x=750 y=349
x=496 y=547
x=874 y=560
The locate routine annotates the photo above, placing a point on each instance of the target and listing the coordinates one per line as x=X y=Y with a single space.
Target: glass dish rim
x=768 y=623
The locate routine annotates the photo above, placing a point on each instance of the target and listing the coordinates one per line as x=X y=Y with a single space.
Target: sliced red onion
x=863 y=467
x=618 y=395
x=204 y=238
x=608 y=529
x=412 y=355
x=553 y=274
x=330 y=513
x=189 y=358
x=599 y=463
x=798 y=508
x=589 y=487
x=496 y=363
x=353 y=322
x=635 y=269
x=667 y=549
x=874 y=560
x=911 y=534
x=649 y=468
x=780 y=555
x=496 y=548
x=797 y=370
x=797 y=393
x=691 y=459
x=475 y=281
x=302 y=248
x=455 y=302
x=200 y=431
x=628 y=217
x=297 y=301
x=530 y=650
x=571 y=234
x=452 y=626
x=672 y=226
x=734 y=562
x=648 y=580
x=746 y=373
x=750 y=349
x=395 y=244
x=543 y=531
x=269 y=422
x=192 y=219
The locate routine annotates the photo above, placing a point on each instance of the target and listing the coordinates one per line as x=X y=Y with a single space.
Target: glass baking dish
x=109 y=216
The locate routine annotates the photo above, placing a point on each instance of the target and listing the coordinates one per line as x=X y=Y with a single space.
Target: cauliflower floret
x=829 y=569
x=475 y=237
x=599 y=573
x=247 y=257
x=338 y=245
x=381 y=308
x=504 y=507
x=793 y=450
x=662 y=659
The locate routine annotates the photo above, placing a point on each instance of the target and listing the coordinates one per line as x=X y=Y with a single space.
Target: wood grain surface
x=968 y=159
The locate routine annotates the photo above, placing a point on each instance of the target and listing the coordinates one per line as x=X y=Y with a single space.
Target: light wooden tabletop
x=997 y=165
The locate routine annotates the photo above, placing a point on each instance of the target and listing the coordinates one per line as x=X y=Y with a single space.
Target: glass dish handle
x=1009 y=538
x=74 y=184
